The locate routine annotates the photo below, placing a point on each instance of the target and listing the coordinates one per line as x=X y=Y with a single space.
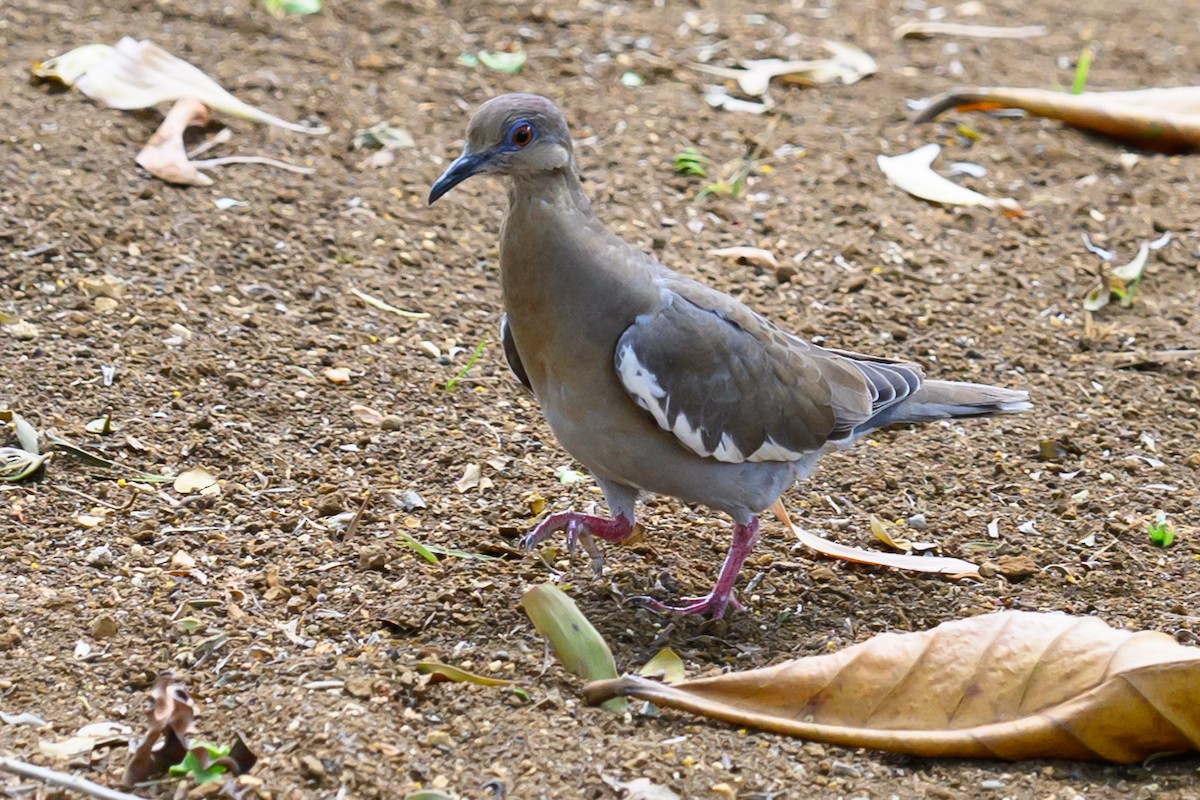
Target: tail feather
x=945 y=399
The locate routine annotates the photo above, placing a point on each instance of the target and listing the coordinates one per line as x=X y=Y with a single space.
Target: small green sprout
x=195 y=767
x=1081 y=69
x=691 y=162
x=1162 y=532
x=452 y=384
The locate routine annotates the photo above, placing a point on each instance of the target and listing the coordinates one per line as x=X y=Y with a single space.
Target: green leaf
x=193 y=766
x=1162 y=532
x=293 y=8
x=578 y=645
x=509 y=63
x=418 y=548
x=93 y=460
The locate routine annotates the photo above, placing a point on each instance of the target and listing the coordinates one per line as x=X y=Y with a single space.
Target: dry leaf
x=470 y=479
x=1120 y=282
x=1166 y=120
x=941 y=565
x=912 y=173
x=196 y=479
x=170 y=717
x=165 y=156
x=923 y=29
x=137 y=74
x=640 y=789
x=847 y=65
x=1011 y=685
x=439 y=672
x=666 y=664
x=751 y=255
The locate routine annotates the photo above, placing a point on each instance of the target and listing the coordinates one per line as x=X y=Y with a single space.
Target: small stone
x=1193 y=461
x=104 y=627
x=392 y=423
x=312 y=768
x=992 y=785
x=331 y=505
x=987 y=570
x=439 y=739
x=916 y=522
x=99 y=557
x=182 y=560
x=373 y=558
x=1016 y=568
x=358 y=686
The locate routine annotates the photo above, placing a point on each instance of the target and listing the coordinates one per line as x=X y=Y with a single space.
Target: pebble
x=992 y=785
x=104 y=627
x=1016 y=568
x=358 y=686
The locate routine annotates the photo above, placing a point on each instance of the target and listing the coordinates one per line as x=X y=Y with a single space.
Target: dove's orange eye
x=521 y=134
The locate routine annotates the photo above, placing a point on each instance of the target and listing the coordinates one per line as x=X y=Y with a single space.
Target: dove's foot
x=582 y=530
x=721 y=597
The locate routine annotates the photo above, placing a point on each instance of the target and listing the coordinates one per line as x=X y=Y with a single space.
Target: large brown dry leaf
x=170 y=717
x=1167 y=120
x=1009 y=685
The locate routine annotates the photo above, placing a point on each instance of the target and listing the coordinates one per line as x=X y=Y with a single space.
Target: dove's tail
x=944 y=399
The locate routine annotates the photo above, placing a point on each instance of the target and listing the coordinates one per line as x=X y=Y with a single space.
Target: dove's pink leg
x=715 y=602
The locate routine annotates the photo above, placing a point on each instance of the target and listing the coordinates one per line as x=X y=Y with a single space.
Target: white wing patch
x=642 y=385
x=649 y=394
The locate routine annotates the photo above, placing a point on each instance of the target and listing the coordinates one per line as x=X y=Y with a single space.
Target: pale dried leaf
x=196 y=479
x=165 y=155
x=1011 y=685
x=666 y=664
x=924 y=29
x=470 y=478
x=70 y=65
x=1157 y=119
x=912 y=172
x=641 y=789
x=941 y=565
x=751 y=255
x=142 y=74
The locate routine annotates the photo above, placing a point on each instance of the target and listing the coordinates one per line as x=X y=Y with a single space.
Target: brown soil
x=263 y=292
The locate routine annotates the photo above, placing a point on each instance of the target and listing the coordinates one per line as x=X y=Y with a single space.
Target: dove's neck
x=568 y=283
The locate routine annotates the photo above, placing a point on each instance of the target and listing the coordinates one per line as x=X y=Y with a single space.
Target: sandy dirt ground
x=229 y=320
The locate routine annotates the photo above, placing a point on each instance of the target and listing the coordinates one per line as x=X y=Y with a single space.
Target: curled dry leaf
x=196 y=479
x=912 y=172
x=1166 y=120
x=1011 y=685
x=439 y=672
x=751 y=255
x=924 y=29
x=170 y=718
x=941 y=565
x=165 y=156
x=137 y=74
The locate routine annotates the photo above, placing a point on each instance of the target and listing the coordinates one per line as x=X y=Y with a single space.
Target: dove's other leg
x=721 y=597
x=584 y=529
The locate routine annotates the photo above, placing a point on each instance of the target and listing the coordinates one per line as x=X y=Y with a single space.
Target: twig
x=209 y=163
x=72 y=782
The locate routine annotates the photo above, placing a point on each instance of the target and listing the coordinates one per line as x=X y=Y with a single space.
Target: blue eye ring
x=521 y=135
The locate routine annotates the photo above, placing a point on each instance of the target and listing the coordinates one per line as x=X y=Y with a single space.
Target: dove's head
x=522 y=136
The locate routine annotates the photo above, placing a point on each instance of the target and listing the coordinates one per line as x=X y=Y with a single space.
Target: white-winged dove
x=657 y=383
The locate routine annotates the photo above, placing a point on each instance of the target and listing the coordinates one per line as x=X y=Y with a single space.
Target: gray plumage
x=655 y=382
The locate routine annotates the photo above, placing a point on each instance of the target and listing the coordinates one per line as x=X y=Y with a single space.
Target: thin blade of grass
x=418 y=548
